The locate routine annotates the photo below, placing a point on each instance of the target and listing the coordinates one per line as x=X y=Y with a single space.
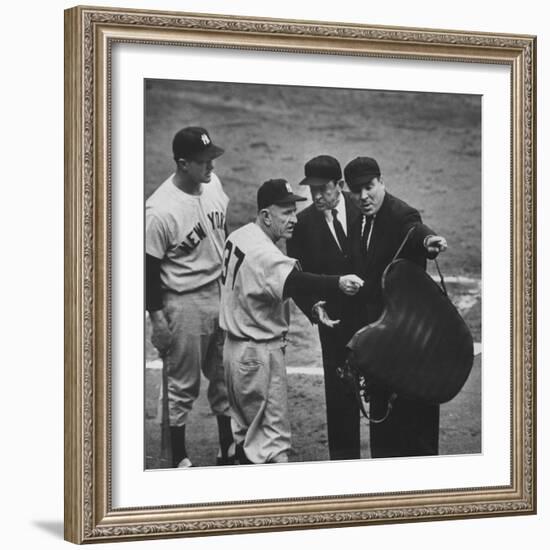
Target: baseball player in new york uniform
x=184 y=236
x=257 y=280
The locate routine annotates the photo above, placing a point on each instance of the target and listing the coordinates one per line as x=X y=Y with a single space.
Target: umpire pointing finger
x=412 y=428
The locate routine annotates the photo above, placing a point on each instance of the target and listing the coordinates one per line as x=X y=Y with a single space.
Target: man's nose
x=364 y=193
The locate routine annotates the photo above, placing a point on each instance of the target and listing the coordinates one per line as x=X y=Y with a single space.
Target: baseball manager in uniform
x=257 y=280
x=184 y=238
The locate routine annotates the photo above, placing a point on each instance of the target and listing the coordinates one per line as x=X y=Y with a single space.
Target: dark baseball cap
x=361 y=170
x=276 y=191
x=320 y=170
x=194 y=143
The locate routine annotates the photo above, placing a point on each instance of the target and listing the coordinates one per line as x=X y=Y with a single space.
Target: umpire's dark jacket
x=413 y=427
x=391 y=224
x=315 y=247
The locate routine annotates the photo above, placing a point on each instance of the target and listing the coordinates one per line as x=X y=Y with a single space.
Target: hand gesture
x=435 y=244
x=350 y=284
x=320 y=315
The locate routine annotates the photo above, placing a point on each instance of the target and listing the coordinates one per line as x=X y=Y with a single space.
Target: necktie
x=367 y=233
x=339 y=230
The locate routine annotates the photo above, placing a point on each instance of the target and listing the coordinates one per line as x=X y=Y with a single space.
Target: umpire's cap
x=320 y=170
x=276 y=191
x=361 y=170
x=194 y=143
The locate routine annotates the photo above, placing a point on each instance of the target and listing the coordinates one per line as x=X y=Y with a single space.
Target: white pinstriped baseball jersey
x=187 y=232
x=253 y=277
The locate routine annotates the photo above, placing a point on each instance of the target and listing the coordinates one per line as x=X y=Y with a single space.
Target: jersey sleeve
x=276 y=271
x=156 y=236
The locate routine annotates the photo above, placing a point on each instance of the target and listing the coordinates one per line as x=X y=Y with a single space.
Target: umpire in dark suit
x=412 y=428
x=321 y=243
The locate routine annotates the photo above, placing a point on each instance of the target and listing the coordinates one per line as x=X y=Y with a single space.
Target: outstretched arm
x=423 y=240
x=306 y=289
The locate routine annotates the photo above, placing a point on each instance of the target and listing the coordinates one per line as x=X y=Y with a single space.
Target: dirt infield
x=429 y=150
x=428 y=146
x=459 y=432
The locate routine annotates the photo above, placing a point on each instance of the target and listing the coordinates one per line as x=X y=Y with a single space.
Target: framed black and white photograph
x=430 y=147
x=299 y=274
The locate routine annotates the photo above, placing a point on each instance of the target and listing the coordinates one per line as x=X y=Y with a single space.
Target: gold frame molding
x=89 y=35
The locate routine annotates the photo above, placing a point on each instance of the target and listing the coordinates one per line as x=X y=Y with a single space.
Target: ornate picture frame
x=90 y=35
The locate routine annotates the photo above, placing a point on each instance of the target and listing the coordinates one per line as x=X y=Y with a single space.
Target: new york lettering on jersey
x=199 y=232
x=188 y=233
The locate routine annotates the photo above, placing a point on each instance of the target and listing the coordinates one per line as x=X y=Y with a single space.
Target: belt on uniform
x=234 y=338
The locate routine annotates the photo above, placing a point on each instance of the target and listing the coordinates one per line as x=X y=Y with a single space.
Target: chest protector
x=420 y=347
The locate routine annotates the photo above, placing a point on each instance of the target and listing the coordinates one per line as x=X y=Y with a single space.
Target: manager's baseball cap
x=320 y=170
x=194 y=143
x=361 y=170
x=276 y=191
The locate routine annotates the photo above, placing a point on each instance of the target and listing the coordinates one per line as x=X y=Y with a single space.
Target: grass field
x=429 y=150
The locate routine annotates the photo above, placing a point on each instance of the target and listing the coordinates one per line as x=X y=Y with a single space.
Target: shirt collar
x=340 y=208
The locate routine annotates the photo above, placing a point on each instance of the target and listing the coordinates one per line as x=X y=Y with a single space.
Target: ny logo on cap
x=205 y=139
x=288 y=188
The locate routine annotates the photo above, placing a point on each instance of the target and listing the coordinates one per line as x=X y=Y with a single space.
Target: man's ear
x=182 y=163
x=265 y=216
